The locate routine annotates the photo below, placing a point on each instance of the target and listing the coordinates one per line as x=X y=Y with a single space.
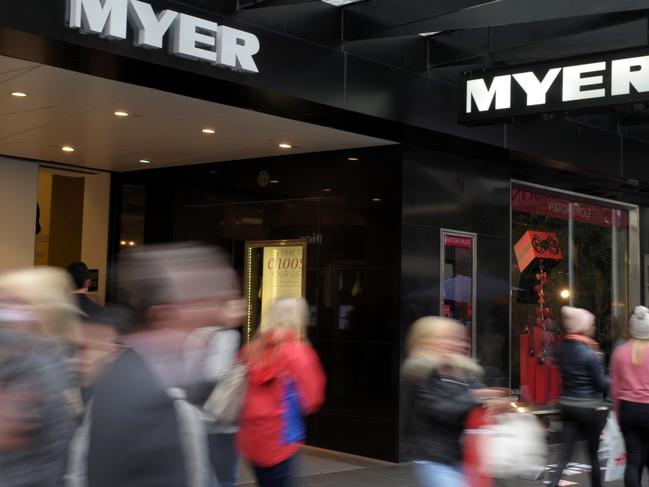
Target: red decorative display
x=540 y=379
x=534 y=245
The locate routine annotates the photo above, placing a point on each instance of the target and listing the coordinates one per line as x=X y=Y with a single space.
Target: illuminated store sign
x=189 y=37
x=610 y=79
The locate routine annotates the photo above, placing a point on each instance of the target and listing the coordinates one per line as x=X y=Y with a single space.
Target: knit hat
x=639 y=323
x=576 y=320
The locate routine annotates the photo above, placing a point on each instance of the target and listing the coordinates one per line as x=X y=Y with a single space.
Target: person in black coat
x=437 y=382
x=136 y=439
x=584 y=385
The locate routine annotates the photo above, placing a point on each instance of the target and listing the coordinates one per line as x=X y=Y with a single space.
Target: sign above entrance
x=561 y=87
x=189 y=37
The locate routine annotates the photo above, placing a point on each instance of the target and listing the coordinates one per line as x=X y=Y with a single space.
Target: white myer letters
x=611 y=78
x=500 y=90
x=195 y=38
x=236 y=48
x=189 y=37
x=629 y=72
x=536 y=90
x=91 y=17
x=150 y=28
x=574 y=80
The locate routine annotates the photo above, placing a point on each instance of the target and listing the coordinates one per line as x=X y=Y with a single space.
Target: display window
x=565 y=251
x=458 y=286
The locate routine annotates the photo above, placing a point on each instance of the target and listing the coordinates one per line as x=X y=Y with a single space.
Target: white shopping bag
x=513 y=446
x=616 y=462
x=606 y=438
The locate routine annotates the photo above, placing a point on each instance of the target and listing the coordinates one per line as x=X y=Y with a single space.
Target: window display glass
x=458 y=279
x=564 y=252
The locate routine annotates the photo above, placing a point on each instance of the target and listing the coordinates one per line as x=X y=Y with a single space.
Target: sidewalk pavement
x=322 y=468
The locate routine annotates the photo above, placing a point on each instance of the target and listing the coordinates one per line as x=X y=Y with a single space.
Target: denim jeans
x=432 y=474
x=224 y=459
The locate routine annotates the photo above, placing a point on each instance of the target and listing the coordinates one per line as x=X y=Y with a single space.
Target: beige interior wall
x=45 y=204
x=96 y=210
x=18 y=193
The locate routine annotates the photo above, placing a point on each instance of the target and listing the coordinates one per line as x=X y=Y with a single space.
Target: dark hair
x=80 y=274
x=168 y=273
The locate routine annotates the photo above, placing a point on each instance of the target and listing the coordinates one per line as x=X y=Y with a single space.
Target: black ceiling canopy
x=381 y=18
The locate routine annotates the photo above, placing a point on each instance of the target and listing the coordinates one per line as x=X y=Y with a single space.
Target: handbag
x=226 y=400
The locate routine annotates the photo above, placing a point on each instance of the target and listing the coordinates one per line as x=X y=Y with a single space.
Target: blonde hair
x=287 y=313
x=421 y=359
x=427 y=328
x=637 y=350
x=49 y=291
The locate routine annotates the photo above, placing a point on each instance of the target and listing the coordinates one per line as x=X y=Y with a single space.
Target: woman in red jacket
x=285 y=383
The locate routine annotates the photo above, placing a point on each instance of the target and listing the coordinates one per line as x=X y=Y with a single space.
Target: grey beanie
x=639 y=323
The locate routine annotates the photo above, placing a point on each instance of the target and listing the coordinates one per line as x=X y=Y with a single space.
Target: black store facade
x=494 y=196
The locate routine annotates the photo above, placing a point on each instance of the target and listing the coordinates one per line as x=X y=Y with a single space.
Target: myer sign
x=189 y=37
x=560 y=87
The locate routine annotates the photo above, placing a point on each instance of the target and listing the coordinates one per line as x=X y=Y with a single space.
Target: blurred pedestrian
x=39 y=396
x=438 y=398
x=215 y=351
x=630 y=391
x=286 y=383
x=584 y=384
x=99 y=346
x=143 y=432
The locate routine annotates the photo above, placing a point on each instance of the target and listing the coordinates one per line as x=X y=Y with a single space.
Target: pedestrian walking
x=437 y=380
x=285 y=384
x=584 y=384
x=39 y=394
x=143 y=431
x=630 y=391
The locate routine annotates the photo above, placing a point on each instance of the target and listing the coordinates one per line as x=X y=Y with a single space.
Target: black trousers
x=280 y=475
x=580 y=423
x=634 y=423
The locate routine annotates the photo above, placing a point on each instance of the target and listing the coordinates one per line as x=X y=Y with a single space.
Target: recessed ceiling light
x=19 y=94
x=284 y=145
x=145 y=161
x=209 y=131
x=376 y=200
x=352 y=158
x=67 y=148
x=274 y=181
x=120 y=113
x=327 y=190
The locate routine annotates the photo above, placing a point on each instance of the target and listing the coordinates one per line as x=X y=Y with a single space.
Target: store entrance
x=72 y=222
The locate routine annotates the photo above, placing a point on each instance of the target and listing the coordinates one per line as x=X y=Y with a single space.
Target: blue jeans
x=432 y=474
x=224 y=459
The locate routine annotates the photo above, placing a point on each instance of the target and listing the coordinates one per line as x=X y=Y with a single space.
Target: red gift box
x=536 y=245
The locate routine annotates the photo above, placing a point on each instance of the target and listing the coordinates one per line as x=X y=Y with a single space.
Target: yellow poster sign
x=282 y=275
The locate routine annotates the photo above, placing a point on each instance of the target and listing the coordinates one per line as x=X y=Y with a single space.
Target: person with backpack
x=142 y=430
x=285 y=383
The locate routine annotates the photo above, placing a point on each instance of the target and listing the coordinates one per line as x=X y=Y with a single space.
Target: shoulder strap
x=77 y=470
x=193 y=438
